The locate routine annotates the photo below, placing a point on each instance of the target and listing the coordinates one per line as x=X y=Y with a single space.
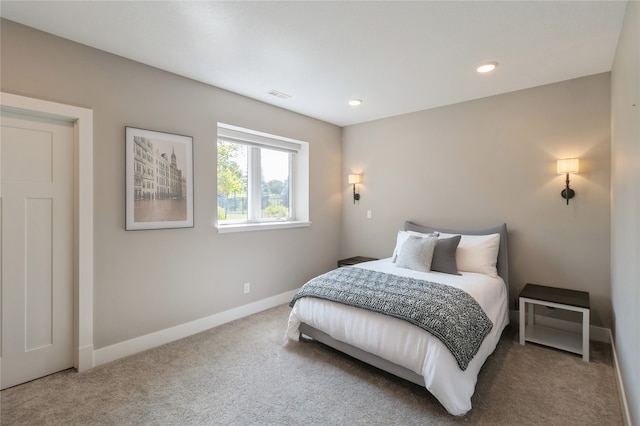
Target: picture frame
x=159 y=180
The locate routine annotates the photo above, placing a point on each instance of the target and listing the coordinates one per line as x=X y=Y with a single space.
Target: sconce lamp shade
x=569 y=165
x=353 y=179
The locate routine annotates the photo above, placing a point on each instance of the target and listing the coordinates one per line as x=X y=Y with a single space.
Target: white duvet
x=407 y=345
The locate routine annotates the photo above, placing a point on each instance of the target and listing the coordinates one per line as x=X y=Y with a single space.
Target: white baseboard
x=85 y=358
x=148 y=341
x=599 y=334
x=624 y=405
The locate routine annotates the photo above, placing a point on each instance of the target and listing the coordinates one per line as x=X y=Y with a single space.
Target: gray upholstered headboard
x=502 y=264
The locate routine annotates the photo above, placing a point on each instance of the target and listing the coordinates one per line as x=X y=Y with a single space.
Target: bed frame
x=383 y=364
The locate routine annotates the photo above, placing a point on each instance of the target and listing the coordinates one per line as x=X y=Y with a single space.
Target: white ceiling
x=397 y=56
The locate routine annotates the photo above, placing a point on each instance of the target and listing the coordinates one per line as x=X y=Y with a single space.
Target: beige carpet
x=241 y=374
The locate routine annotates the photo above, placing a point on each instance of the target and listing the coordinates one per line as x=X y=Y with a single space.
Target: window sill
x=263 y=226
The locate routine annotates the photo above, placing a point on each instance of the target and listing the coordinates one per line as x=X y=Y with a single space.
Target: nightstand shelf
x=558 y=298
x=559 y=339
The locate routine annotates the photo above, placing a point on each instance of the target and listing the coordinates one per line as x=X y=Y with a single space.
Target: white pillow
x=477 y=253
x=403 y=236
x=417 y=253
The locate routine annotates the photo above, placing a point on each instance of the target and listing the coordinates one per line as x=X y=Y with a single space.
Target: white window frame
x=298 y=179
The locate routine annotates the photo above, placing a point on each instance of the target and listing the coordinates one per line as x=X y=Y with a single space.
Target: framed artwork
x=159 y=180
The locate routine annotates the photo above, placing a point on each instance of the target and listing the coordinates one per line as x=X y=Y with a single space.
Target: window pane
x=276 y=175
x=232 y=181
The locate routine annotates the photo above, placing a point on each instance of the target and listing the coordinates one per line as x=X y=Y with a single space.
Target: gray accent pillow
x=444 y=256
x=416 y=253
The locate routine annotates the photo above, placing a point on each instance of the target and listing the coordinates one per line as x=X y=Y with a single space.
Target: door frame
x=82 y=120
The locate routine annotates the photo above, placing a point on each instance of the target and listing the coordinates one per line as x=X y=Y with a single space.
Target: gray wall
x=625 y=204
x=489 y=161
x=146 y=281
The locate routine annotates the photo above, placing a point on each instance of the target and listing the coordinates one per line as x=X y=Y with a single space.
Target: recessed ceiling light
x=278 y=94
x=355 y=102
x=488 y=67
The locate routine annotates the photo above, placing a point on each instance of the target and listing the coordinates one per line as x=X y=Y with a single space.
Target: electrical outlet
x=247 y=288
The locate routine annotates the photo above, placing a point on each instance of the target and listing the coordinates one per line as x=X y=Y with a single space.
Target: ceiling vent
x=277 y=94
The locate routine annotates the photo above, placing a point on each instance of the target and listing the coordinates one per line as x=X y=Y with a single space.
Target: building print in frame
x=159 y=180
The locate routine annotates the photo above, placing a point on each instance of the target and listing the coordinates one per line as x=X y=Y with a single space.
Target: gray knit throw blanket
x=448 y=313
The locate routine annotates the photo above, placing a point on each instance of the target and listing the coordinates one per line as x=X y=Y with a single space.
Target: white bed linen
x=406 y=344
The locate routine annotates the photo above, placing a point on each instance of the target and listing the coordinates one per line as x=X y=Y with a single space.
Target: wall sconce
x=569 y=165
x=353 y=180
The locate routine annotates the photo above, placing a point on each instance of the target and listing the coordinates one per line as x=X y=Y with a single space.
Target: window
x=263 y=180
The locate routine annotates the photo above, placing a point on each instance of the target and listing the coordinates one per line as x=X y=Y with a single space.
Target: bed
x=462 y=264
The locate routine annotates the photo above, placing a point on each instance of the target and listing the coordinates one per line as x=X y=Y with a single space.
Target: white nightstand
x=559 y=298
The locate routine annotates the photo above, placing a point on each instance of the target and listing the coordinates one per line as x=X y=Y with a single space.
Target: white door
x=36 y=222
